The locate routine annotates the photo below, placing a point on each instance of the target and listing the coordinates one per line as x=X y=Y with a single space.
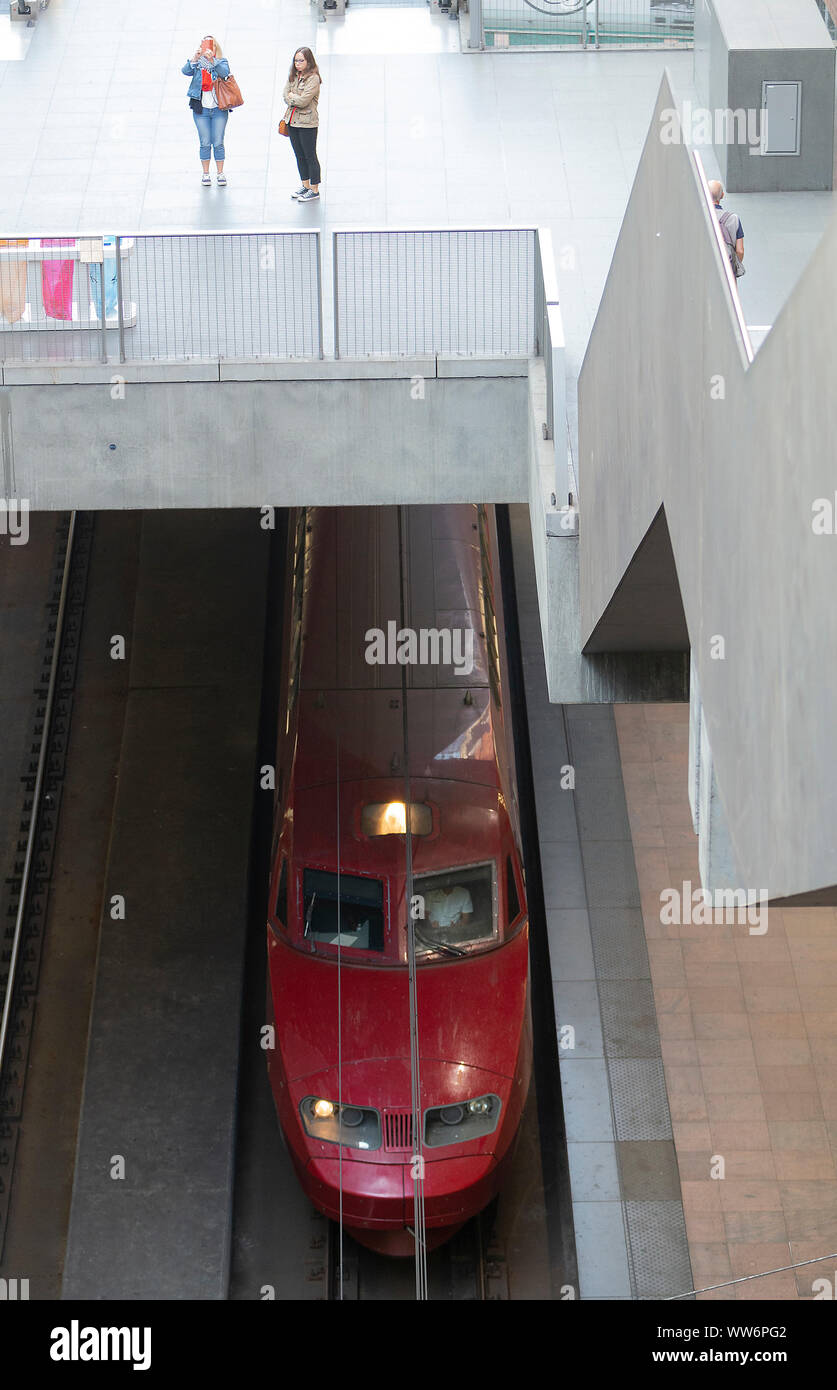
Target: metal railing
x=510 y=24
x=466 y=292
x=471 y=292
x=174 y=297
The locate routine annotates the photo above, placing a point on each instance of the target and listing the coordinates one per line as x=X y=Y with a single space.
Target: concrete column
x=715 y=856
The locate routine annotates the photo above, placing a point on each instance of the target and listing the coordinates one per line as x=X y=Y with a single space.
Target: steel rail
x=31 y=837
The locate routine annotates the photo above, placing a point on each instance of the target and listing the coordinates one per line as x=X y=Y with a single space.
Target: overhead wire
x=339 y=1030
x=417 y=1168
x=339 y=947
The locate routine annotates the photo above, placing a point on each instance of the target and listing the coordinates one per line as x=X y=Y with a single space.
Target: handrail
x=481 y=300
x=721 y=244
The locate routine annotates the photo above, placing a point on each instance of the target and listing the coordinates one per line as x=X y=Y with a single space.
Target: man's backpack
x=729 y=227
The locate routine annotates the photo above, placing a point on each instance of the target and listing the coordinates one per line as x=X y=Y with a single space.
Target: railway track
x=25 y=892
x=515 y=1250
x=471 y=1267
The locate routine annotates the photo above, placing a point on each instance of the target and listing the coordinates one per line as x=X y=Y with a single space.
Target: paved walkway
x=748 y=1026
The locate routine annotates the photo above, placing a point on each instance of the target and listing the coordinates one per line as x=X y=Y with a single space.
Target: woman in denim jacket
x=207 y=65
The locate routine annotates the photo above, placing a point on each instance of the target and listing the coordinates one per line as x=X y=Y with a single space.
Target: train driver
x=448 y=907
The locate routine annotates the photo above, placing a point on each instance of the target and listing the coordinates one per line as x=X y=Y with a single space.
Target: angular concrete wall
x=672 y=416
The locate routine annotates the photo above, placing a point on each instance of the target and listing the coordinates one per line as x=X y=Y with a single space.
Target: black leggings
x=304 y=142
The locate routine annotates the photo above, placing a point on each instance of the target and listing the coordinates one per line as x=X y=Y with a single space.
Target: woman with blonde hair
x=205 y=67
x=301 y=93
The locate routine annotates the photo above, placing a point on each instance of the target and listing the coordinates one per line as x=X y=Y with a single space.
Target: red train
x=385 y=606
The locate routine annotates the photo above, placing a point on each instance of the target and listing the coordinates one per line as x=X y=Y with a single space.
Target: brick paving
x=748 y=1026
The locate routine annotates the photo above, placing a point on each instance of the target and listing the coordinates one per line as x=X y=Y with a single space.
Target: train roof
x=352 y=581
x=448 y=739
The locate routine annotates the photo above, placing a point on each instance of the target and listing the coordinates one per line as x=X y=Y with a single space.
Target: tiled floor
x=749 y=1036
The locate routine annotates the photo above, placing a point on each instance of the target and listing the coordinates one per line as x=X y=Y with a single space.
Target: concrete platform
x=162 y=1063
x=627 y=1210
x=48 y=1130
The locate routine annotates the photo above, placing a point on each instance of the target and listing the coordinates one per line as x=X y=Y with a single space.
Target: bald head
x=716 y=188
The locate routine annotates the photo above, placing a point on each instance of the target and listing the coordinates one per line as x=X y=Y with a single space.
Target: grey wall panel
x=738 y=477
x=249 y=443
x=812 y=168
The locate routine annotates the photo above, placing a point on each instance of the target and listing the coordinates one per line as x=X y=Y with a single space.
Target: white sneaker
x=222 y=180
x=299 y=192
x=206 y=180
x=308 y=196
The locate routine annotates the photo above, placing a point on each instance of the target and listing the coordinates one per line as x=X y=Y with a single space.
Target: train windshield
x=455 y=910
x=343 y=911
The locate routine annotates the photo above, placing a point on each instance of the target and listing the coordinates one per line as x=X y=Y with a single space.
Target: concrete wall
x=377 y=432
x=671 y=415
x=741 y=43
x=574 y=677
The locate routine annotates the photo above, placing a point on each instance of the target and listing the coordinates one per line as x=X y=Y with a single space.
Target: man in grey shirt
x=731 y=228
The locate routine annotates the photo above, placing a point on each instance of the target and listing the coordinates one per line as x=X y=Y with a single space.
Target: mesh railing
x=165 y=298
x=467 y=293
x=588 y=23
x=471 y=293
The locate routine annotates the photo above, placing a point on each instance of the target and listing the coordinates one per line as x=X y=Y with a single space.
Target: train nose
x=380 y=1195
x=369 y=1194
x=455 y=1189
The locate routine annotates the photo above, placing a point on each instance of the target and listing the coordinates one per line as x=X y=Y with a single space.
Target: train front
x=341 y=1066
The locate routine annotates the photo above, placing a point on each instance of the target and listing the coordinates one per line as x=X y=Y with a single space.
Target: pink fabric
x=57 y=281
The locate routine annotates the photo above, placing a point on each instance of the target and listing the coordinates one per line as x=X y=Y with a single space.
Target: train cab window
x=282 y=895
x=512 y=897
x=460 y=909
x=345 y=911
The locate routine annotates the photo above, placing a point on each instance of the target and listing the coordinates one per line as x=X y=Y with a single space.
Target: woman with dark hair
x=301 y=94
x=205 y=66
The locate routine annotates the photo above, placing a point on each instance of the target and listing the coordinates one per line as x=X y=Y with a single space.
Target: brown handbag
x=285 y=123
x=228 y=93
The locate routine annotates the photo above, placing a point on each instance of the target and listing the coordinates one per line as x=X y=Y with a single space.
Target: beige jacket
x=303 y=94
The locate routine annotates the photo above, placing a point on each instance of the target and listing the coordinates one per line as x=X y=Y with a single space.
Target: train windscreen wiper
x=443 y=946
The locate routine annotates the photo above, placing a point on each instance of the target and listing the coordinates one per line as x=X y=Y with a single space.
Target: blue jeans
x=211 y=126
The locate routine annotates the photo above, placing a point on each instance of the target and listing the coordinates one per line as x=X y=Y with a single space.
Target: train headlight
x=394 y=819
x=457 y=1123
x=390 y=818
x=353 y=1126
